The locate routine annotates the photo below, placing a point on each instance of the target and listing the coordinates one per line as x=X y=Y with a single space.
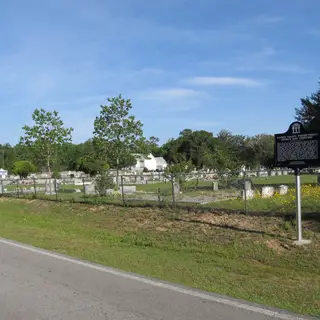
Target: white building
x=161 y=163
x=143 y=161
x=3 y=174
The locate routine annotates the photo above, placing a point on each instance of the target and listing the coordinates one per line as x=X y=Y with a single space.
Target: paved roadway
x=37 y=284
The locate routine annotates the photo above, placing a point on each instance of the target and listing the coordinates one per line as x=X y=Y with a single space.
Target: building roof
x=160 y=161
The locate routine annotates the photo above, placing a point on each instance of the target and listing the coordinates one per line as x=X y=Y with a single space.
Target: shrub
x=23 y=168
x=103 y=182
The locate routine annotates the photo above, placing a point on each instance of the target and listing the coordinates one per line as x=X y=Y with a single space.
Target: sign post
x=298 y=205
x=297 y=149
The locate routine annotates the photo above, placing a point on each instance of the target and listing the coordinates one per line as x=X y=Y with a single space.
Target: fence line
x=225 y=190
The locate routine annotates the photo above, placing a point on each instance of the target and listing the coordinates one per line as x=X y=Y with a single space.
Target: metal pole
x=35 y=187
x=298 y=204
x=122 y=191
x=173 y=195
x=84 y=190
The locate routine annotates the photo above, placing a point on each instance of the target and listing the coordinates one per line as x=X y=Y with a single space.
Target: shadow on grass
x=229 y=227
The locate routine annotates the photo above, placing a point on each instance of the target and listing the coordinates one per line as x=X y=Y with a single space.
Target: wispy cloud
x=222 y=81
x=175 y=99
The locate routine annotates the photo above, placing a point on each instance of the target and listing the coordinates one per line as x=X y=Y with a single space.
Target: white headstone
x=283 y=189
x=90 y=189
x=50 y=187
x=247 y=194
x=128 y=189
x=176 y=187
x=215 y=186
x=247 y=185
x=267 y=192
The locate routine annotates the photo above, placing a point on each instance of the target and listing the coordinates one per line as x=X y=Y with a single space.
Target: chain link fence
x=251 y=191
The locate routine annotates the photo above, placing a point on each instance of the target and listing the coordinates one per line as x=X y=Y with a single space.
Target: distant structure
x=161 y=163
x=149 y=162
x=3 y=174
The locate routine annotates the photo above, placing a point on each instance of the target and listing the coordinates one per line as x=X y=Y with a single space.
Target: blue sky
x=205 y=64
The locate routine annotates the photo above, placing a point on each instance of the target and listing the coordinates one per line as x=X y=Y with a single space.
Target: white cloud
x=222 y=81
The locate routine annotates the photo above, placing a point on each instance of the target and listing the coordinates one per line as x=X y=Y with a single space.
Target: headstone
x=247 y=185
x=90 y=189
x=1 y=189
x=285 y=172
x=128 y=189
x=247 y=194
x=215 y=186
x=176 y=187
x=283 y=190
x=267 y=192
x=77 y=191
x=78 y=182
x=49 y=187
x=279 y=173
x=109 y=192
x=272 y=173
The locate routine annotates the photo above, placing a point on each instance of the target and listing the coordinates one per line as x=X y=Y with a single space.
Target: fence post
x=173 y=195
x=245 y=194
x=122 y=191
x=35 y=187
x=55 y=189
x=18 y=193
x=84 y=191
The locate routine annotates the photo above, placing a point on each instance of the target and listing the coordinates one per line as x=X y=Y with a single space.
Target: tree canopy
x=45 y=137
x=309 y=112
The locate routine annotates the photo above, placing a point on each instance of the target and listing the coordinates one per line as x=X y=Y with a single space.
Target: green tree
x=260 y=150
x=201 y=148
x=178 y=172
x=117 y=134
x=89 y=165
x=23 y=168
x=309 y=112
x=7 y=156
x=46 y=136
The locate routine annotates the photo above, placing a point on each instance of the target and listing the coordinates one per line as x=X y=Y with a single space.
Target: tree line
x=117 y=135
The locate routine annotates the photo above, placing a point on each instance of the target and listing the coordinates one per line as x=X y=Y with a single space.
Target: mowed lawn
x=251 y=258
x=289 y=179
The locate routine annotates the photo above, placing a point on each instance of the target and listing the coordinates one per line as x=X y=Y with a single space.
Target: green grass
x=250 y=258
x=289 y=179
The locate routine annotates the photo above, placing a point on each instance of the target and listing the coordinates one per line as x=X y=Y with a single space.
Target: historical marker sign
x=297 y=148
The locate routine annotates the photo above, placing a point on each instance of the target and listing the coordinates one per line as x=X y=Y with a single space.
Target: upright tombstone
x=50 y=187
x=176 y=187
x=297 y=149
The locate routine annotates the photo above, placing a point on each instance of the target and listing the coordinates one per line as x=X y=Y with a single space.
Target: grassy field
x=245 y=257
x=289 y=179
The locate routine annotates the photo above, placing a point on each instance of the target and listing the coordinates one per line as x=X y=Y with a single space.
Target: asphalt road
x=36 y=284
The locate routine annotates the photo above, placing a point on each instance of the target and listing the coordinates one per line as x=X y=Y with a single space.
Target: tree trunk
x=48 y=166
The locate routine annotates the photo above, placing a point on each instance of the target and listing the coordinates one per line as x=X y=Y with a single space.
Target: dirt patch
x=275 y=245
